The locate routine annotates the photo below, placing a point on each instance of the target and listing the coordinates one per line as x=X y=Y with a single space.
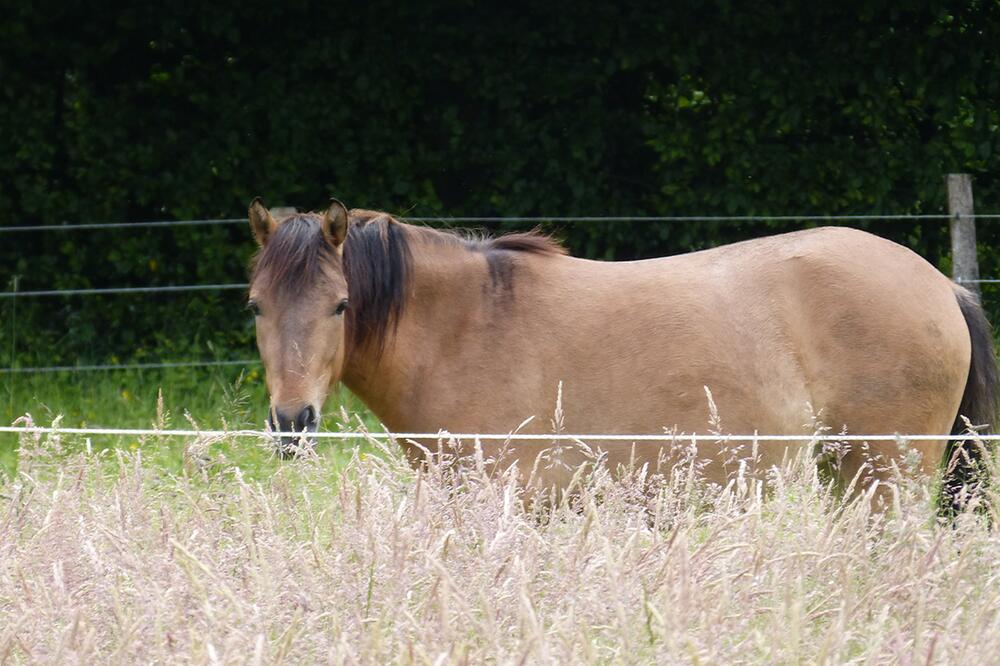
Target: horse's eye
x=254 y=308
x=341 y=307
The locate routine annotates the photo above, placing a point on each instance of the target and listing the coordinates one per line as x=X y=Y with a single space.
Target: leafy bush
x=455 y=108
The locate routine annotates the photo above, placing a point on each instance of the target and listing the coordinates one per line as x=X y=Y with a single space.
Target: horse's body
x=831 y=325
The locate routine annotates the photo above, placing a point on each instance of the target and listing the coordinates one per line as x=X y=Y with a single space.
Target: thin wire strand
x=697 y=218
x=443 y=435
x=126 y=366
x=122 y=290
x=91 y=226
x=100 y=291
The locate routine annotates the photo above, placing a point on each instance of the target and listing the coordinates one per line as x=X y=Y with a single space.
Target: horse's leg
x=882 y=463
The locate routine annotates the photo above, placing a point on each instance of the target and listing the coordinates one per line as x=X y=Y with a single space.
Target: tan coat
x=830 y=324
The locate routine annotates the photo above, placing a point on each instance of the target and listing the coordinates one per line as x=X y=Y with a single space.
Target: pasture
x=154 y=549
x=628 y=220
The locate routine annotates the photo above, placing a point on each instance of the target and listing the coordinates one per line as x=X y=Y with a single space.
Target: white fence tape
x=443 y=435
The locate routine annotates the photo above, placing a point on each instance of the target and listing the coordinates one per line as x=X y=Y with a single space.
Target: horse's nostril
x=307 y=418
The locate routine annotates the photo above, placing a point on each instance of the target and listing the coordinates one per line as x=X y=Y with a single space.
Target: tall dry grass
x=104 y=558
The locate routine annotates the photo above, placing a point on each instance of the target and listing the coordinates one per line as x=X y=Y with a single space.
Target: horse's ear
x=335 y=222
x=261 y=222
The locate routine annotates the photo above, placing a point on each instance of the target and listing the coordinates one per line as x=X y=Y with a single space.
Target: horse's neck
x=445 y=292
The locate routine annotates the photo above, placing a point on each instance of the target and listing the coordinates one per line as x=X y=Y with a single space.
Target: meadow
x=212 y=551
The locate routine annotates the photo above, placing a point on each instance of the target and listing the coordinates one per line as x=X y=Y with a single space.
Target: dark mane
x=528 y=242
x=377 y=263
x=294 y=258
x=532 y=242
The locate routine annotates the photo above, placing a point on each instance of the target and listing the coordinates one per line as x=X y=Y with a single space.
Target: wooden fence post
x=964 y=265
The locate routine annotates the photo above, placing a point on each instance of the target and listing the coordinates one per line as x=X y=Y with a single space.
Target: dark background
x=460 y=108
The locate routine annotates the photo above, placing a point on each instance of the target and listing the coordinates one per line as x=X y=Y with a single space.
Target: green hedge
x=461 y=108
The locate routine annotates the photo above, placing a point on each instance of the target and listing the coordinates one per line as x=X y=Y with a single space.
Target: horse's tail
x=980 y=405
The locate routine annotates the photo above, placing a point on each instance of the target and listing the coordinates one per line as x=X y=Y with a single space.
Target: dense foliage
x=460 y=108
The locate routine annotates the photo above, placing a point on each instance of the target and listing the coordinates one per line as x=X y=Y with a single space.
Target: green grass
x=212 y=398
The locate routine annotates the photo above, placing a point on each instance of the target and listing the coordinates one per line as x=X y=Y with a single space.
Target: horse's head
x=298 y=295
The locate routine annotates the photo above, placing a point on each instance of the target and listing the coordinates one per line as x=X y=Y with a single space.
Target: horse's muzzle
x=305 y=422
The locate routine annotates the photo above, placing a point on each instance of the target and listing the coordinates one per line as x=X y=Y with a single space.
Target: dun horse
x=437 y=331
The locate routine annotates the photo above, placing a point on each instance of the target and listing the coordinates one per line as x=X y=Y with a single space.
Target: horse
x=443 y=331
